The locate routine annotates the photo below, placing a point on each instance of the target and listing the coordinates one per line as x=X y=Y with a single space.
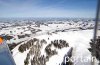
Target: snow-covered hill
x=46 y=43
x=79 y=40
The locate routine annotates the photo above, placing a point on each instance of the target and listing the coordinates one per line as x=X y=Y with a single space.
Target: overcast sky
x=48 y=8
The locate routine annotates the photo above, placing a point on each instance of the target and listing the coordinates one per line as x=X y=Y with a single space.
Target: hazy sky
x=48 y=8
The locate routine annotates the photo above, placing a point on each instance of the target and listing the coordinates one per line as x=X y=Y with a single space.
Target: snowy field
x=79 y=40
x=41 y=37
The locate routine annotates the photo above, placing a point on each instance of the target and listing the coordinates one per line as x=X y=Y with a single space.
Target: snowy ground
x=79 y=40
x=78 y=36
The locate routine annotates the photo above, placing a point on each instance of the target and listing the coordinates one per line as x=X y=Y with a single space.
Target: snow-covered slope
x=79 y=40
x=39 y=38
